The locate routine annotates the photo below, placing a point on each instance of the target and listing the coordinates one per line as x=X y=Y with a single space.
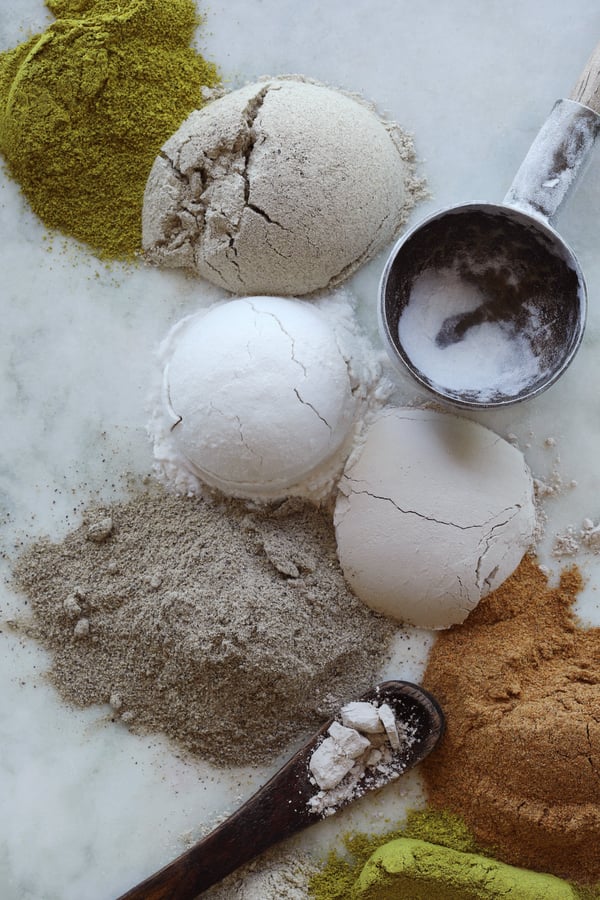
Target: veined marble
x=88 y=809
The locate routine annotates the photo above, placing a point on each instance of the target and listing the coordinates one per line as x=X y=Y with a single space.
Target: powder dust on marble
x=279 y=874
x=230 y=630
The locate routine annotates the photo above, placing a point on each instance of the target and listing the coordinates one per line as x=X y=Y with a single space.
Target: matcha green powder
x=86 y=106
x=433 y=857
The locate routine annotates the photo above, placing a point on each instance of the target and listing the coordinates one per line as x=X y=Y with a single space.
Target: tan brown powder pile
x=520 y=762
x=230 y=631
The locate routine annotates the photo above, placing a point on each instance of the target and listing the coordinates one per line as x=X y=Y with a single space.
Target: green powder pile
x=341 y=870
x=370 y=865
x=424 y=871
x=86 y=106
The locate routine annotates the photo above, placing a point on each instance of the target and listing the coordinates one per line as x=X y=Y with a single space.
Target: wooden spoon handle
x=280 y=808
x=587 y=89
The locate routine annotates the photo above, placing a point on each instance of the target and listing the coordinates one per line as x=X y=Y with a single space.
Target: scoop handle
x=587 y=89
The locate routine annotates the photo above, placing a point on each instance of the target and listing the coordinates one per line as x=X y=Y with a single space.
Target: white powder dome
x=282 y=187
x=261 y=402
x=433 y=512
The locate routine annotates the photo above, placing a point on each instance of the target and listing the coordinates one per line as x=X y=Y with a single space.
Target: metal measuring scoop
x=484 y=303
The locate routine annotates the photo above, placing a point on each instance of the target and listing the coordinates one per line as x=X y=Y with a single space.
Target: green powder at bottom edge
x=408 y=868
x=339 y=874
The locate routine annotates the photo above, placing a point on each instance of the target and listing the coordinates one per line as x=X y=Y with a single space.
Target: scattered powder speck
x=566 y=544
x=573 y=540
x=231 y=631
x=279 y=874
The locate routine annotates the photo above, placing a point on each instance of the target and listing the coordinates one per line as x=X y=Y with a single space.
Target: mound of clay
x=433 y=512
x=520 y=757
x=283 y=187
x=262 y=398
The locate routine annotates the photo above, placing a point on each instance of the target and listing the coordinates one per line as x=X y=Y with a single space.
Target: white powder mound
x=283 y=187
x=434 y=511
x=262 y=398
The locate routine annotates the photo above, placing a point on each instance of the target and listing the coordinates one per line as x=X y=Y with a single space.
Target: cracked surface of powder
x=282 y=187
x=433 y=512
x=519 y=683
x=232 y=632
x=263 y=397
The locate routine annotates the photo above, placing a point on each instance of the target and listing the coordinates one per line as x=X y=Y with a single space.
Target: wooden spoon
x=280 y=808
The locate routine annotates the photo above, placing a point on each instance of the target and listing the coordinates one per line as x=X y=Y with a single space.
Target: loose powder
x=519 y=683
x=337 y=876
x=85 y=107
x=497 y=352
x=278 y=875
x=230 y=631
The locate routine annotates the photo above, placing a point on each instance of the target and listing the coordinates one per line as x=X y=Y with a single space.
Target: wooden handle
x=280 y=808
x=587 y=89
x=277 y=811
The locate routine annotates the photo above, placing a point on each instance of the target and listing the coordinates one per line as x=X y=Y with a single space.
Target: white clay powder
x=488 y=358
x=364 y=752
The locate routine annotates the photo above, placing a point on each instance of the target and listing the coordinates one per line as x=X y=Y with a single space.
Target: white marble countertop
x=87 y=808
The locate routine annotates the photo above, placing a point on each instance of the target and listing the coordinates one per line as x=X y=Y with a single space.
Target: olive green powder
x=424 y=871
x=340 y=875
x=341 y=870
x=86 y=106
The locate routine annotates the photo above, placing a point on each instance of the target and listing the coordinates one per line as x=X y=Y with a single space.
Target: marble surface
x=87 y=808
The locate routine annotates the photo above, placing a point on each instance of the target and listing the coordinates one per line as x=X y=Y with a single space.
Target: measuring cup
x=485 y=304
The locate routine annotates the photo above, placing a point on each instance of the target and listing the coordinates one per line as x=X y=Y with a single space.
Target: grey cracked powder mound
x=282 y=187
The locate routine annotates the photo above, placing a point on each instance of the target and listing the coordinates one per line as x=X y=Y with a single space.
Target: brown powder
x=520 y=762
x=230 y=631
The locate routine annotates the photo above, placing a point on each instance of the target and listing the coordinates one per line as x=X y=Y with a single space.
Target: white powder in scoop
x=488 y=357
x=350 y=761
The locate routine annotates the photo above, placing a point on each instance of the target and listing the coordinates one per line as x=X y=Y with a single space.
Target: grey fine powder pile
x=231 y=631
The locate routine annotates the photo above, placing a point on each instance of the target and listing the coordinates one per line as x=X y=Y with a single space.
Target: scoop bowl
x=485 y=304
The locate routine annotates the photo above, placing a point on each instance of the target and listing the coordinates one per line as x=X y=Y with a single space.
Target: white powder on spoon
x=357 y=756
